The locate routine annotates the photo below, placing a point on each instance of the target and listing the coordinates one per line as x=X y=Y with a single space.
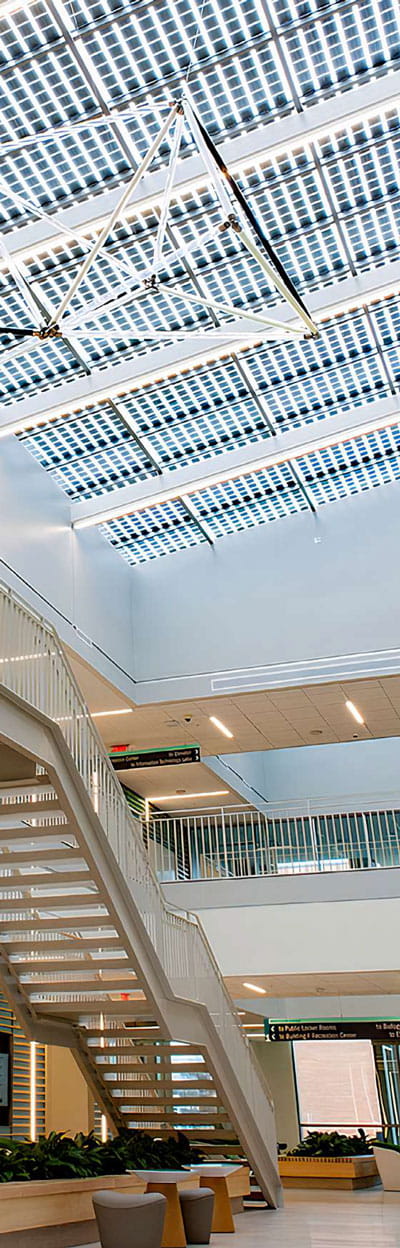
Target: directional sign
x=381 y=1031
x=131 y=760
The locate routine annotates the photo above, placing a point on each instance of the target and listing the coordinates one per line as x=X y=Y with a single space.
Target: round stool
x=197 y=1206
x=129 y=1221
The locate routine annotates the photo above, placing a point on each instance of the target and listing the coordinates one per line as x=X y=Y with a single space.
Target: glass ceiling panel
x=331 y=209
x=210 y=410
x=358 y=464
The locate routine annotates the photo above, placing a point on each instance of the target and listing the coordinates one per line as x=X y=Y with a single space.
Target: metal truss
x=236 y=215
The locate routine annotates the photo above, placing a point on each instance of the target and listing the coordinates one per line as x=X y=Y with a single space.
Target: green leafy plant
x=59 y=1156
x=332 y=1144
x=394 y=1148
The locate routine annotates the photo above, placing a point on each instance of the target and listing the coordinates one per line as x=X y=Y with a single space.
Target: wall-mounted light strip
x=255 y=988
x=32 y=1090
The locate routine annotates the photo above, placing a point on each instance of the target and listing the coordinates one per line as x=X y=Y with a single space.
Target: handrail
x=236 y=843
x=34 y=666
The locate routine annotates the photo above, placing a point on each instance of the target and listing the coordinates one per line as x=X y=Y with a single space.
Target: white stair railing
x=33 y=666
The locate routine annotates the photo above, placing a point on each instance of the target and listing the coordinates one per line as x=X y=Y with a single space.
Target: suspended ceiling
x=276 y=719
x=304 y=98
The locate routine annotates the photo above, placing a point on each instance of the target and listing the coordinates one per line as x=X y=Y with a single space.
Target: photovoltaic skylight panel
x=159 y=531
x=358 y=464
x=331 y=208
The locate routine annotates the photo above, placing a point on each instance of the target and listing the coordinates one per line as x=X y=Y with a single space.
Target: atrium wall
x=332 y=772
x=301 y=599
x=355 y=915
x=74 y=579
x=292 y=597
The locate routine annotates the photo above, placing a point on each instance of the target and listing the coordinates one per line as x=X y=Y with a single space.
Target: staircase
x=91 y=957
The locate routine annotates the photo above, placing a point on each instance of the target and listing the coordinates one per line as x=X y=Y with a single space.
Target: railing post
x=314 y=838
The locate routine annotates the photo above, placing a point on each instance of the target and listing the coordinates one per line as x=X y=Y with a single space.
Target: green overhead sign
x=130 y=760
x=381 y=1031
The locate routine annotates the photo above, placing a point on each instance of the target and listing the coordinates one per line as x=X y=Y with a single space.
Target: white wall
x=74 y=579
x=316 y=772
x=260 y=609
x=273 y=598
x=299 y=925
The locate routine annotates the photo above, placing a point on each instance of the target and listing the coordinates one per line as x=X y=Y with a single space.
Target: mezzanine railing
x=279 y=840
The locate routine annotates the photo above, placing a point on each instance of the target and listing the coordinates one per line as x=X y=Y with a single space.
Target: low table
x=167 y=1183
x=216 y=1178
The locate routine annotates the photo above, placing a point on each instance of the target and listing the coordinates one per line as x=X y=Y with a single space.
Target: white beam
x=267 y=142
x=285 y=448
x=120 y=379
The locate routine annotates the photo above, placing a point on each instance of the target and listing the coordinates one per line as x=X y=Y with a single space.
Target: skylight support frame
x=220 y=173
x=115 y=216
x=169 y=186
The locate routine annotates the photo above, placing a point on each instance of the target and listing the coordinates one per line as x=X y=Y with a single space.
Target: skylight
x=330 y=208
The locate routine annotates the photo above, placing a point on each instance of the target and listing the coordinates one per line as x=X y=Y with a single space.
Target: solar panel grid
x=208 y=412
x=238 y=80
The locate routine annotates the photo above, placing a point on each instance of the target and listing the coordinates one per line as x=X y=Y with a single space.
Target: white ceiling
x=352 y=983
x=308 y=715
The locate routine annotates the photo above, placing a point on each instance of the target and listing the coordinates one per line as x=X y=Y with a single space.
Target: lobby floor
x=322 y=1220
x=368 y=1219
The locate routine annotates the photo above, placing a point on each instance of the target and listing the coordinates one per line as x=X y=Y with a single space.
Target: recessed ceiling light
x=316 y=732
x=354 y=712
x=221 y=727
x=255 y=988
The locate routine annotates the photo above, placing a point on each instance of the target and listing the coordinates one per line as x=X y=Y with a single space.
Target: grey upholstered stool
x=128 y=1221
x=197 y=1205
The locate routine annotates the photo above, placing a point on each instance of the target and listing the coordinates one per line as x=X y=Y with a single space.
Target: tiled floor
x=321 y=1220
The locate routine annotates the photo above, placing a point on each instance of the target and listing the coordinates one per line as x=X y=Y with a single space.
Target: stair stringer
x=40 y=738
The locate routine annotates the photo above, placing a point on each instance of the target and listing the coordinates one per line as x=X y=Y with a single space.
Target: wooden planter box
x=58 y=1213
x=341 y=1172
x=55 y=1213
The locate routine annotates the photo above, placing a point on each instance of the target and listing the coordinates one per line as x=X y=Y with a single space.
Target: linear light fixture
x=187 y=797
x=354 y=712
x=255 y=988
x=218 y=724
x=119 y=710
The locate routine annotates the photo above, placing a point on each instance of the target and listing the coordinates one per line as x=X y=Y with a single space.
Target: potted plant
x=329 y=1159
x=49 y=1183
